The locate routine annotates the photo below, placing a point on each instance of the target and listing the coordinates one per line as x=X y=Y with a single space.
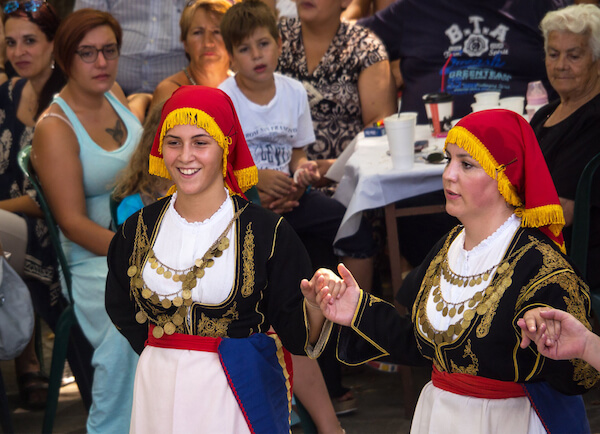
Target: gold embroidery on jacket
x=248 y=262
x=583 y=374
x=471 y=369
x=217 y=328
x=373 y=299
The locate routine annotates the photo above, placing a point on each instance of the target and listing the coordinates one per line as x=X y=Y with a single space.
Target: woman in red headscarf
x=467 y=296
x=196 y=280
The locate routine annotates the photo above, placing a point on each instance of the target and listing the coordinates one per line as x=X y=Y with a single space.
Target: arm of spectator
x=22 y=204
x=139 y=104
x=55 y=158
x=274 y=183
x=397 y=74
x=305 y=172
x=377 y=92
x=568 y=207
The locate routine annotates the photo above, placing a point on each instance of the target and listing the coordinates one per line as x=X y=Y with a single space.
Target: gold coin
x=425 y=327
x=160 y=270
x=224 y=242
x=177 y=301
x=154 y=265
x=482 y=309
x=472 y=302
x=170 y=328
x=437 y=298
x=439 y=306
x=131 y=271
x=146 y=293
x=445 y=311
x=478 y=280
x=175 y=277
x=166 y=303
x=210 y=263
x=200 y=273
x=193 y=284
x=461 y=308
x=438 y=338
x=167 y=274
x=452 y=312
x=151 y=253
x=152 y=259
x=472 y=283
x=486 y=276
x=141 y=317
x=198 y=262
x=186 y=294
x=218 y=254
x=177 y=319
x=469 y=315
x=138 y=282
x=465 y=324
x=158 y=332
x=154 y=299
x=187 y=302
x=430 y=334
x=457 y=328
x=477 y=297
x=450 y=330
x=507 y=282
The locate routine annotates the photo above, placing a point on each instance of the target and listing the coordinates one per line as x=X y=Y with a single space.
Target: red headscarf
x=212 y=110
x=507 y=149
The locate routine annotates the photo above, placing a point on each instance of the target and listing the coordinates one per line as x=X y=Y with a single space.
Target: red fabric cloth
x=477 y=387
x=211 y=109
x=505 y=145
x=180 y=341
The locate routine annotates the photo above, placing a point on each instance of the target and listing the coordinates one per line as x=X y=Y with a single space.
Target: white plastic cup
x=478 y=106
x=514 y=103
x=490 y=98
x=400 y=132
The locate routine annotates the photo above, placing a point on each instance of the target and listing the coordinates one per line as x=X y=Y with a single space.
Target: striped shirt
x=152 y=49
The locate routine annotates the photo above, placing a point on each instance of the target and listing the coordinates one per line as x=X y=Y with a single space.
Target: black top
x=270 y=263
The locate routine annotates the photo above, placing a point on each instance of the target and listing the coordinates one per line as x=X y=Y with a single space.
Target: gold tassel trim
x=284 y=368
x=156 y=166
x=246 y=177
x=547 y=215
x=200 y=119
x=466 y=140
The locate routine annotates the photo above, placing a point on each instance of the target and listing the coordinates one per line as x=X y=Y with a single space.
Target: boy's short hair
x=244 y=18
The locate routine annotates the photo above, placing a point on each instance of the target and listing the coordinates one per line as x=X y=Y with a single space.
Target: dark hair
x=74 y=28
x=48 y=21
x=244 y=18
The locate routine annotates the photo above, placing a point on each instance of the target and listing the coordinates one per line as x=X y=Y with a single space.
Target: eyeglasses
x=29 y=6
x=89 y=54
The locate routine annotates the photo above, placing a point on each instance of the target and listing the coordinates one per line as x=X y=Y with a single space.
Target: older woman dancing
x=471 y=290
x=568 y=128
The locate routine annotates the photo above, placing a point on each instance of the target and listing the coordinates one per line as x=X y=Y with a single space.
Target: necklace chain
x=189 y=76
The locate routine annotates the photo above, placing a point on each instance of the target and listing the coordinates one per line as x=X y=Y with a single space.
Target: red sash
x=477 y=387
x=180 y=341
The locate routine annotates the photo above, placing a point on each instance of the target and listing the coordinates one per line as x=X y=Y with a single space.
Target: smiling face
x=27 y=48
x=255 y=58
x=203 y=43
x=194 y=160
x=98 y=76
x=471 y=195
x=570 y=66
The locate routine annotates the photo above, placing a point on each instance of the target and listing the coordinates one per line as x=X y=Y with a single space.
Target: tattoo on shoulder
x=118 y=132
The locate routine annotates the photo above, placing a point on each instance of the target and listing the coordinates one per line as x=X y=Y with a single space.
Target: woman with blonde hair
x=204 y=47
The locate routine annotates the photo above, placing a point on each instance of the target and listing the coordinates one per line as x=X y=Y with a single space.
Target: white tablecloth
x=370 y=181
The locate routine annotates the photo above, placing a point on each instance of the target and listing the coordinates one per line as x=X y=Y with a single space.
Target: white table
x=369 y=181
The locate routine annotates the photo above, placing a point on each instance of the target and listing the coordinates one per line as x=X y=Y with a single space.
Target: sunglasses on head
x=28 y=6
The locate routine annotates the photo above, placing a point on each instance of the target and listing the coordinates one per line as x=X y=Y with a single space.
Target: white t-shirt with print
x=273 y=130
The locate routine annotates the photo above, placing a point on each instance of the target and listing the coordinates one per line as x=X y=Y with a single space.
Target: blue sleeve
x=128 y=206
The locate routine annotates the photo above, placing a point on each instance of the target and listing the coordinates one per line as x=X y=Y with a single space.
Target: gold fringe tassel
x=466 y=140
x=284 y=367
x=547 y=215
x=246 y=177
x=157 y=167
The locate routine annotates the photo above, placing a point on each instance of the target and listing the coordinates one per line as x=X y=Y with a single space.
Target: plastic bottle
x=536 y=97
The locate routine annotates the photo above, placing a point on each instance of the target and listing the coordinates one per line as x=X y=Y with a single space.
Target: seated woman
x=81 y=142
x=196 y=280
x=505 y=259
x=204 y=48
x=568 y=128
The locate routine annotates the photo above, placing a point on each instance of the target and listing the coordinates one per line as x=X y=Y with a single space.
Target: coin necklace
x=188 y=277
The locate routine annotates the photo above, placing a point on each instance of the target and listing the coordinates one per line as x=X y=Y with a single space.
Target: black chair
x=67 y=318
x=581 y=225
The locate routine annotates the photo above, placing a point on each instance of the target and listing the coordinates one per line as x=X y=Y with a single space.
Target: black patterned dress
x=333 y=86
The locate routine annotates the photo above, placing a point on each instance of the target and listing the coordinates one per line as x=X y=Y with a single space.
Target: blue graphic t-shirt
x=464 y=47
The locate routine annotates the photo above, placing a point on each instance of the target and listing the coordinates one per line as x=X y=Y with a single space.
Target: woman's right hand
x=274 y=183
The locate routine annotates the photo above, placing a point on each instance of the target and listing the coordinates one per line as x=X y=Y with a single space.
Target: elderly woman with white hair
x=568 y=129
